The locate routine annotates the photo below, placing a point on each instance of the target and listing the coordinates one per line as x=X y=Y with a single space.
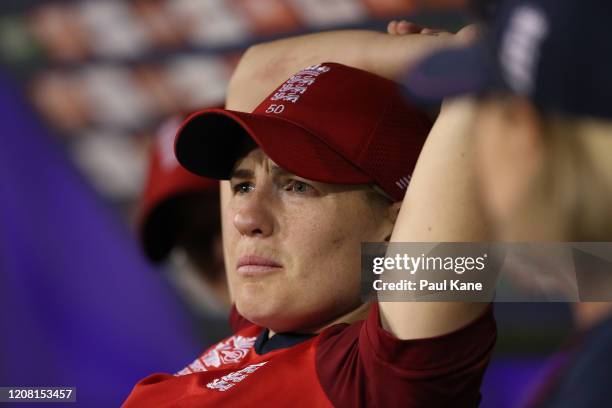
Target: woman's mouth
x=250 y=265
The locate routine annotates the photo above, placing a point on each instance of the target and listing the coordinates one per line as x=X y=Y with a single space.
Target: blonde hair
x=571 y=196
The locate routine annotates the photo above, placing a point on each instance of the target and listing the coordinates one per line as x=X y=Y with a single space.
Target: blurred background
x=84 y=88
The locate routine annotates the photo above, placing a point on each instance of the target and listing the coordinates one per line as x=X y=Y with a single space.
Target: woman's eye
x=242 y=188
x=297 y=186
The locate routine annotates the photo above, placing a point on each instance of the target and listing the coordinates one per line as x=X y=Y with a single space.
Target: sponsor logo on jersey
x=230 y=351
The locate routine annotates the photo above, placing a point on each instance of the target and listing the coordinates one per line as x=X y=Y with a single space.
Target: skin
x=508 y=132
x=404 y=27
x=314 y=230
x=264 y=66
x=440 y=204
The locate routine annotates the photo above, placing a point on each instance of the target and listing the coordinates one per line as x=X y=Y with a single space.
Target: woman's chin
x=277 y=318
x=258 y=311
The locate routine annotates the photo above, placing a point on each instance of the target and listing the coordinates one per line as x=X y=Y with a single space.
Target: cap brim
x=211 y=141
x=451 y=72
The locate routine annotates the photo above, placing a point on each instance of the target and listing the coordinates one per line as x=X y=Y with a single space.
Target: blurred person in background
x=79 y=305
x=308 y=340
x=179 y=228
x=543 y=131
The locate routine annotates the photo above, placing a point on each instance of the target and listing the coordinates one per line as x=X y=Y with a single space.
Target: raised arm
x=441 y=205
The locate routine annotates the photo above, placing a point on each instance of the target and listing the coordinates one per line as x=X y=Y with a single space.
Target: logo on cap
x=295 y=86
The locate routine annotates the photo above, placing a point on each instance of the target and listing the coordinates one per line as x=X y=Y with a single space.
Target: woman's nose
x=254 y=217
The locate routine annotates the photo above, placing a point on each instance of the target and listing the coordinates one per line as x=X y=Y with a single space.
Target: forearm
x=265 y=66
x=441 y=204
x=442 y=201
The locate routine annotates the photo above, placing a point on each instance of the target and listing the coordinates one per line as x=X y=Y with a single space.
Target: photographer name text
x=454 y=285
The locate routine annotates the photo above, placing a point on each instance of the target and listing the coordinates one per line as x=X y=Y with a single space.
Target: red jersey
x=346 y=365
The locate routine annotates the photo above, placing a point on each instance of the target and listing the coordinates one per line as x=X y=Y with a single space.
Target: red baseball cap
x=166 y=180
x=329 y=123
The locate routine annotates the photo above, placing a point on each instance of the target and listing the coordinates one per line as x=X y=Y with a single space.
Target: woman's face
x=292 y=246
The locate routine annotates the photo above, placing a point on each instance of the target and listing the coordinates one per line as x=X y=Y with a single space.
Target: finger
x=406 y=27
x=469 y=33
x=432 y=31
x=392 y=27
